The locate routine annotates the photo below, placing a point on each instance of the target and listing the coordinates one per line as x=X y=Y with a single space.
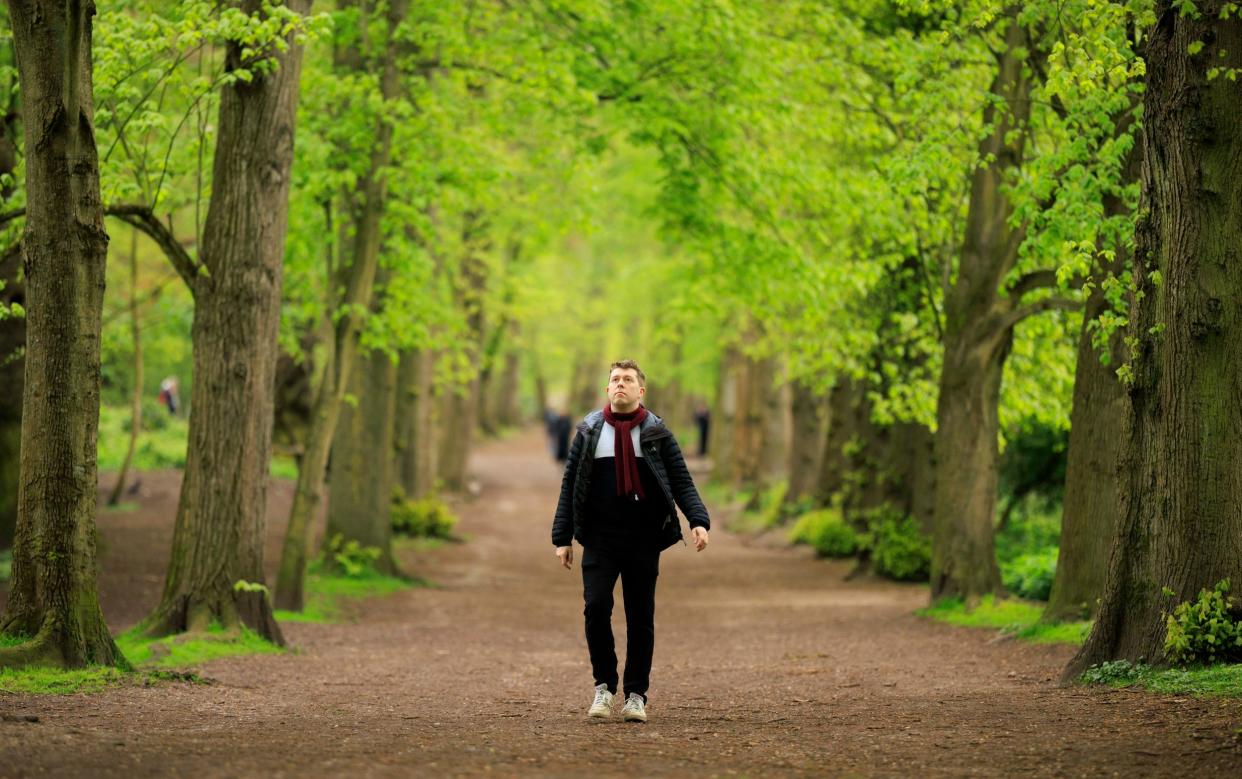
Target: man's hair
x=629 y=365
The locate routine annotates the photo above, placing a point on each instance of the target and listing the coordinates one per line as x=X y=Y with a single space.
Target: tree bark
x=416 y=451
x=218 y=539
x=308 y=494
x=360 y=487
x=53 y=601
x=1180 y=485
x=1090 y=509
x=461 y=407
x=978 y=335
x=806 y=446
x=135 y=424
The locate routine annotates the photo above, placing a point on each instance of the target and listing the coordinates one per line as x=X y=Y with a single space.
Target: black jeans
x=638 y=569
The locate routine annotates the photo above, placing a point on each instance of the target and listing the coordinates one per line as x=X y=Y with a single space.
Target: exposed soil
x=767 y=663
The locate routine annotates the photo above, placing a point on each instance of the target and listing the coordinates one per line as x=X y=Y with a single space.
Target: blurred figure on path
x=625 y=477
x=703 y=418
x=168 y=394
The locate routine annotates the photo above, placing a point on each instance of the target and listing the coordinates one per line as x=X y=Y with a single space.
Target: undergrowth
x=1011 y=616
x=1222 y=680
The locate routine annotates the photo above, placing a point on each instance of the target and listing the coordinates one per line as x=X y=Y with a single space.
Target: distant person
x=168 y=395
x=623 y=476
x=562 y=426
x=703 y=418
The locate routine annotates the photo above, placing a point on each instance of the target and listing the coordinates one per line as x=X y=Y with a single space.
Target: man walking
x=624 y=475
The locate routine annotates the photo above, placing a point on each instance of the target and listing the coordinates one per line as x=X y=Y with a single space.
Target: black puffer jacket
x=663 y=456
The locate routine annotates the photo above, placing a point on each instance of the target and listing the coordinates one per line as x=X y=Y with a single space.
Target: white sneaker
x=635 y=709
x=602 y=707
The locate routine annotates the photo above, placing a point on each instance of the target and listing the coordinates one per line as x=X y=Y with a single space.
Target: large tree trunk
x=135 y=422
x=53 y=601
x=807 y=442
x=360 y=487
x=724 y=418
x=978 y=335
x=461 y=407
x=505 y=395
x=416 y=450
x=218 y=540
x=364 y=256
x=839 y=428
x=1090 y=509
x=1180 y=484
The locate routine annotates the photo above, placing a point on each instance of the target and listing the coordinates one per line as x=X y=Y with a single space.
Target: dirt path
x=766 y=664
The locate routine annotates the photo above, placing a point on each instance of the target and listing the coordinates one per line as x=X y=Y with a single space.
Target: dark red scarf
x=628 y=480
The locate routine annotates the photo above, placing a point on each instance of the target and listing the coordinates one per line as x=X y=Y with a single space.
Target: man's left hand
x=699 y=535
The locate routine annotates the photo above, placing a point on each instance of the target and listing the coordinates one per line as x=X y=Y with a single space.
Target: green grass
x=122 y=507
x=161 y=442
x=51 y=681
x=283 y=466
x=191 y=649
x=1015 y=617
x=152 y=659
x=1223 y=680
x=326 y=594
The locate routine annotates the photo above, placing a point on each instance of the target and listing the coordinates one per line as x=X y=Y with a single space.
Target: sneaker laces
x=600 y=700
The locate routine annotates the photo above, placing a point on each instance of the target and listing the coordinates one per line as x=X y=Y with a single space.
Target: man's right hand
x=566 y=555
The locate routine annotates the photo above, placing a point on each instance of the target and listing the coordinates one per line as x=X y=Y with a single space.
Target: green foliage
x=188 y=649
x=52 y=681
x=1018 y=618
x=161 y=442
x=1030 y=575
x=429 y=517
x=1206 y=630
x=1221 y=680
x=327 y=594
x=899 y=550
x=6 y=567
x=826 y=533
x=283 y=467
x=350 y=558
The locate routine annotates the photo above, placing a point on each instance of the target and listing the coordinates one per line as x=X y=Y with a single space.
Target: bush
x=826 y=533
x=899 y=550
x=425 y=518
x=1205 y=630
x=350 y=558
x=1030 y=575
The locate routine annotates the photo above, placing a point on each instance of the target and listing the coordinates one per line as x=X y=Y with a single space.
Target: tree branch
x=1039 y=279
x=9 y=216
x=142 y=218
x=1038 y=307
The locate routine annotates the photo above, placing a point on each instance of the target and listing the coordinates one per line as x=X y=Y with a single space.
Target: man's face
x=623 y=391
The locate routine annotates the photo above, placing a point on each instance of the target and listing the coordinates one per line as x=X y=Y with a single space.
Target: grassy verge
x=1221 y=680
x=1011 y=616
x=153 y=659
x=326 y=595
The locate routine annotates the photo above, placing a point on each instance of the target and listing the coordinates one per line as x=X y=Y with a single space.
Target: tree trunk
x=1090 y=509
x=308 y=494
x=135 y=424
x=360 y=490
x=416 y=451
x=978 y=335
x=839 y=429
x=806 y=444
x=720 y=432
x=505 y=395
x=53 y=601
x=218 y=539
x=1180 y=485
